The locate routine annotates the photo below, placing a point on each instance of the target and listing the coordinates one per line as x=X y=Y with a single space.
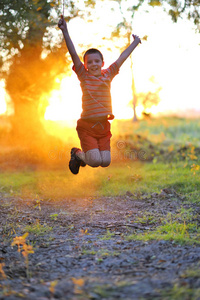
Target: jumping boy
x=93 y=127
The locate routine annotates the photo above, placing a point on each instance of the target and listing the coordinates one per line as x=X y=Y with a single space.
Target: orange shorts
x=94 y=134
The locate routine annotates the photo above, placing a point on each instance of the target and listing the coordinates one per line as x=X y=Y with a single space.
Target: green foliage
x=176 y=9
x=195 y=273
x=22 y=19
x=108 y=235
x=37 y=228
x=155 y=3
x=54 y=217
x=90 y=3
x=190 y=8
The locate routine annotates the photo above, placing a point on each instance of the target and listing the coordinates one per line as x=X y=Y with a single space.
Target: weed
x=147 y=218
x=23 y=248
x=100 y=254
x=195 y=168
x=88 y=252
x=8 y=229
x=104 y=291
x=52 y=286
x=108 y=235
x=37 y=228
x=193 y=273
x=2 y=273
x=181 y=293
x=54 y=217
x=38 y=202
x=78 y=284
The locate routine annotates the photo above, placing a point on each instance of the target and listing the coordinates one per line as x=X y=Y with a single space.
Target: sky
x=170 y=56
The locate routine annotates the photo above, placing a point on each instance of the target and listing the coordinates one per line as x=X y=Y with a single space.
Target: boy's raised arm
x=70 y=46
x=125 y=54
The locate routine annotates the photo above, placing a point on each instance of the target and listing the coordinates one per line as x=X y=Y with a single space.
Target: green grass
x=184 y=292
x=122 y=175
x=172 y=231
x=14 y=181
x=38 y=229
x=115 y=180
x=176 y=130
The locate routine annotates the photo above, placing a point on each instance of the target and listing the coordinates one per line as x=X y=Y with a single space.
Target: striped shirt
x=96 y=98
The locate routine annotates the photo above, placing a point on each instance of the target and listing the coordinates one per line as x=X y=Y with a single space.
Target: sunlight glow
x=3 y=104
x=65 y=103
x=170 y=55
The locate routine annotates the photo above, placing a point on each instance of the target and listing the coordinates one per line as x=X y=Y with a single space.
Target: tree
x=148 y=100
x=124 y=28
x=30 y=61
x=174 y=8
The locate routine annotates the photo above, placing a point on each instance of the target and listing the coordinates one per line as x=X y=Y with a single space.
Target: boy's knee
x=106 y=158
x=95 y=163
x=105 y=163
x=93 y=158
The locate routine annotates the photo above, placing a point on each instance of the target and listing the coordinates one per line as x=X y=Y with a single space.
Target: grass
x=123 y=175
x=130 y=176
x=181 y=293
x=12 y=182
x=165 y=129
x=172 y=231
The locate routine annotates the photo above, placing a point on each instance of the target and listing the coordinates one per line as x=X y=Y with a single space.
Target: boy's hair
x=91 y=51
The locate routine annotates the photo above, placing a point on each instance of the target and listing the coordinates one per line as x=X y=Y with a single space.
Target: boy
x=93 y=127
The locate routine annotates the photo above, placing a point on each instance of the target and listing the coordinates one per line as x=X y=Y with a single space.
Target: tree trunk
x=135 y=119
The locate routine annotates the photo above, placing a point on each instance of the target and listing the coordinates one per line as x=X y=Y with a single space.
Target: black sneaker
x=83 y=164
x=75 y=162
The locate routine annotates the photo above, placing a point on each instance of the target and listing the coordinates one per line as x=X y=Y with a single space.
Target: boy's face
x=93 y=63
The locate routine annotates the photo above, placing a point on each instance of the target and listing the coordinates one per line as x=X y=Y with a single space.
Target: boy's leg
x=75 y=162
x=106 y=158
x=95 y=142
x=95 y=158
x=92 y=157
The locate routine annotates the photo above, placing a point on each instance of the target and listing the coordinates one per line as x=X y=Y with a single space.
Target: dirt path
x=81 y=250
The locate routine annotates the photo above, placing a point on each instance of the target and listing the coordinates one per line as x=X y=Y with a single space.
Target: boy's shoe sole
x=75 y=162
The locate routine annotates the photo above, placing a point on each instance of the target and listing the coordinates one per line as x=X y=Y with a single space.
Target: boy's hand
x=136 y=38
x=62 y=24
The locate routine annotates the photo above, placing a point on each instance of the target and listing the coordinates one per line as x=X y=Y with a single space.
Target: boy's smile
x=93 y=64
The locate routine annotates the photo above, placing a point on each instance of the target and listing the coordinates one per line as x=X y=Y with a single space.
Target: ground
x=85 y=249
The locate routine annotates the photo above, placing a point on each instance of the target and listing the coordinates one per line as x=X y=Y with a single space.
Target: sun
x=65 y=102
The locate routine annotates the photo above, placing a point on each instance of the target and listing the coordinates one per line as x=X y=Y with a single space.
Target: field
x=130 y=231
